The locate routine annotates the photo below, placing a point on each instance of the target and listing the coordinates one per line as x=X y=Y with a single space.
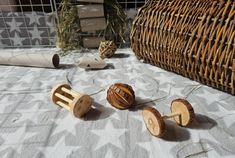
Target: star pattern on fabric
x=109 y=79
x=59 y=150
x=6 y=155
x=139 y=117
x=2 y=44
x=109 y=135
x=29 y=114
x=14 y=25
x=109 y=154
x=33 y=18
x=5 y=103
x=1 y=31
x=227 y=115
x=221 y=112
x=212 y=153
x=17 y=137
x=163 y=78
x=12 y=14
x=132 y=74
x=101 y=97
x=118 y=134
x=6 y=151
x=17 y=41
x=155 y=69
x=141 y=84
x=68 y=124
x=115 y=116
x=36 y=33
x=210 y=97
x=173 y=90
x=51 y=31
x=12 y=138
x=148 y=147
x=52 y=40
x=50 y=19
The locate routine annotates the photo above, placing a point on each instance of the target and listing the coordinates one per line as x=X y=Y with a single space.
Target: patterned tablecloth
x=31 y=126
x=29 y=29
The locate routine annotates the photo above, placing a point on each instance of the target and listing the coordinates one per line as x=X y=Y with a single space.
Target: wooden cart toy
x=78 y=104
x=181 y=111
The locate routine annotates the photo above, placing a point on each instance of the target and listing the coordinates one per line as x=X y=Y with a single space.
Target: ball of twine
x=107 y=49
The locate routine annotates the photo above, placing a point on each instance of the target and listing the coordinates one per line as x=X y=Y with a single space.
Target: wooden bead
x=107 y=49
x=185 y=109
x=78 y=104
x=153 y=121
x=121 y=96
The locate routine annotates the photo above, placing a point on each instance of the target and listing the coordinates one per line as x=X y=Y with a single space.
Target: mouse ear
x=92 y=62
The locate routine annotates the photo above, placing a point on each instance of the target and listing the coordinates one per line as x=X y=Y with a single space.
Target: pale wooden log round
x=78 y=104
x=154 y=122
x=185 y=109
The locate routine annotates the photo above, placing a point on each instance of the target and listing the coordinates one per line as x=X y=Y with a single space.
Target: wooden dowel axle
x=171 y=115
x=71 y=92
x=63 y=105
x=63 y=98
x=76 y=93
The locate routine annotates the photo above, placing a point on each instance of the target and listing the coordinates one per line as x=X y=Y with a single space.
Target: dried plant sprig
x=116 y=20
x=68 y=26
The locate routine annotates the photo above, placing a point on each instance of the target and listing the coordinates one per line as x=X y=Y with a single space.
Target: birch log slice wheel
x=153 y=121
x=78 y=104
x=185 y=109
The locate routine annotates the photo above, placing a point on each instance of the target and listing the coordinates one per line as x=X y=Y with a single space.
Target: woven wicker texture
x=194 y=38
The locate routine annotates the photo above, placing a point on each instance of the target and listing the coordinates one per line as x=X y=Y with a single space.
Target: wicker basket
x=194 y=38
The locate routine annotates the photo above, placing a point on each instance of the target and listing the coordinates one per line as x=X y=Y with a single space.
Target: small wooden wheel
x=185 y=109
x=79 y=105
x=154 y=122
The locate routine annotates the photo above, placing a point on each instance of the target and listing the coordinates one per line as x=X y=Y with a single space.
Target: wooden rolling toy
x=107 y=49
x=121 y=96
x=181 y=111
x=78 y=104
